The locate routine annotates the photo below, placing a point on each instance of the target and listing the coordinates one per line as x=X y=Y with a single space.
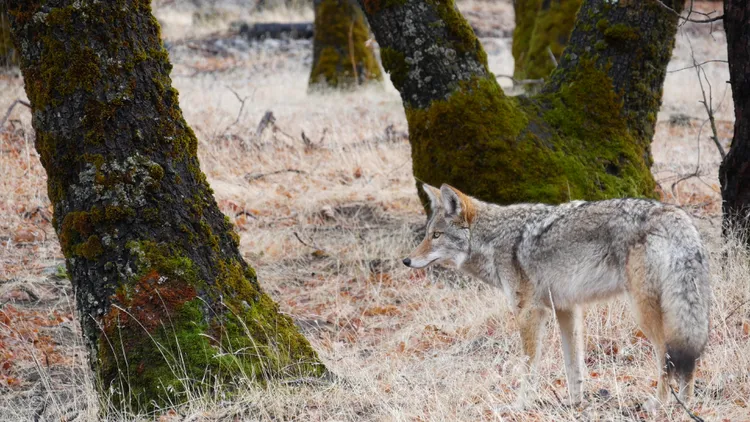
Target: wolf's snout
x=407 y=262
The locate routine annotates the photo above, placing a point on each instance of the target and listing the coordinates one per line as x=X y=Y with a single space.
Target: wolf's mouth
x=425 y=265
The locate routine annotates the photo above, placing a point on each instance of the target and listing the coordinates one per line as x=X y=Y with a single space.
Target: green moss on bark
x=341 y=59
x=525 y=13
x=461 y=34
x=541 y=27
x=163 y=293
x=8 y=55
x=571 y=145
x=162 y=334
x=395 y=64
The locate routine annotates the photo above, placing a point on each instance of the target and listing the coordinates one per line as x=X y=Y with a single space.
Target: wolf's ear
x=434 y=194
x=458 y=206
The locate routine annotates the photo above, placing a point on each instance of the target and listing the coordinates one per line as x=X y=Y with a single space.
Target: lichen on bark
x=166 y=303
x=586 y=135
x=341 y=58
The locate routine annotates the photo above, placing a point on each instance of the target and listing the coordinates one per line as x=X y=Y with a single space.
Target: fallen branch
x=304 y=31
x=255 y=176
x=311 y=245
x=290 y=31
x=10 y=110
x=690 y=413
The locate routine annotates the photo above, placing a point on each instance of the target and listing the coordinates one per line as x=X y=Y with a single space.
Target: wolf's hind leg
x=687 y=384
x=571 y=332
x=646 y=306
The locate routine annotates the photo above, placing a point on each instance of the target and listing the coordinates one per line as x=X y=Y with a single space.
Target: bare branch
x=242 y=106
x=690 y=11
x=698 y=64
x=707 y=104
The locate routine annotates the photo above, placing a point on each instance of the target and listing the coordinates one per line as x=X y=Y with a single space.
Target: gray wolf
x=557 y=258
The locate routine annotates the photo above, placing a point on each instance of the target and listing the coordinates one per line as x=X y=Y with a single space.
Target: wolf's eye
x=435 y=235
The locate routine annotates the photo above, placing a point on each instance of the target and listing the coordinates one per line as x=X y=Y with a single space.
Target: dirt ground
x=326 y=207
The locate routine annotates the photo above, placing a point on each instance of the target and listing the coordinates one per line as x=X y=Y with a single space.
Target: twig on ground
x=682 y=178
x=309 y=144
x=255 y=176
x=309 y=245
x=692 y=415
x=736 y=308
x=10 y=110
x=243 y=212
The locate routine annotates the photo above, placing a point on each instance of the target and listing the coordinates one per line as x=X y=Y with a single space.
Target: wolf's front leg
x=571 y=331
x=532 y=322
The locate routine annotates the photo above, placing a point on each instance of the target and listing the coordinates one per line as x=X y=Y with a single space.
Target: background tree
x=7 y=51
x=340 y=57
x=734 y=173
x=542 y=27
x=586 y=135
x=161 y=289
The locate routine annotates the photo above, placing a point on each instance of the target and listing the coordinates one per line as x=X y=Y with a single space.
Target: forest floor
x=326 y=207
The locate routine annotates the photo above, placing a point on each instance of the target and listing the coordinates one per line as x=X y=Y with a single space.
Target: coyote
x=556 y=258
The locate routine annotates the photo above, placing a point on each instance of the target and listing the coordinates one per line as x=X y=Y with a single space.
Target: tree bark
x=585 y=136
x=162 y=292
x=541 y=27
x=734 y=173
x=7 y=51
x=340 y=57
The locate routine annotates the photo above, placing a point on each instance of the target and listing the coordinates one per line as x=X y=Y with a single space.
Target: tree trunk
x=162 y=292
x=734 y=173
x=542 y=26
x=587 y=135
x=8 y=56
x=340 y=57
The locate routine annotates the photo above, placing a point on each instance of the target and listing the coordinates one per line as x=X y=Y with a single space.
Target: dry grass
x=407 y=345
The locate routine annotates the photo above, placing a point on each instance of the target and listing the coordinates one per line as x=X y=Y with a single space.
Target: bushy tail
x=685 y=301
x=679 y=264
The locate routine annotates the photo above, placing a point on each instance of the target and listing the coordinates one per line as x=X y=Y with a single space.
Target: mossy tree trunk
x=7 y=51
x=161 y=289
x=340 y=57
x=586 y=135
x=542 y=26
x=734 y=173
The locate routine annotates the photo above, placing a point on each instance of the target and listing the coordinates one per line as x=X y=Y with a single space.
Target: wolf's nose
x=407 y=262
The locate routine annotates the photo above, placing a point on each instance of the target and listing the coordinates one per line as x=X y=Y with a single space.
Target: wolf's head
x=448 y=230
